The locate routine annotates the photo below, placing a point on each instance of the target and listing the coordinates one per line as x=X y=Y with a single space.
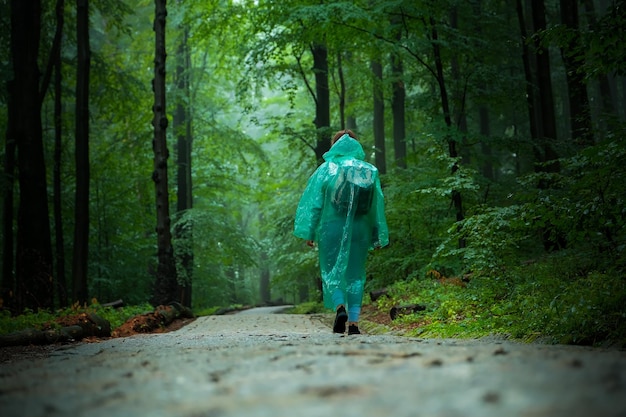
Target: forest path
x=277 y=365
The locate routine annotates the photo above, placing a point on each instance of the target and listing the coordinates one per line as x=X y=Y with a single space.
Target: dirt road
x=286 y=365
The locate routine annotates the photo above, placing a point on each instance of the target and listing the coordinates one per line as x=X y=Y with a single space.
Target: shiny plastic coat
x=343 y=236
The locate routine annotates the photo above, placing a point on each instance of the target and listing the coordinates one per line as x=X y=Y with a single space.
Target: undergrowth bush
x=45 y=319
x=554 y=300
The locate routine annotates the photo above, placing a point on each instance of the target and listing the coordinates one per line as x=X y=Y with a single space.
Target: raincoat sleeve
x=380 y=231
x=310 y=207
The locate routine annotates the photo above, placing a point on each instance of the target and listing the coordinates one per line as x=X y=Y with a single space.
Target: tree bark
x=580 y=112
x=351 y=121
x=182 y=127
x=7 y=292
x=530 y=89
x=379 y=116
x=61 y=285
x=165 y=283
x=547 y=134
x=34 y=250
x=342 y=93
x=457 y=199
x=322 y=99
x=398 y=96
x=74 y=328
x=458 y=92
x=81 y=213
x=486 y=161
x=486 y=165
x=265 y=279
x=162 y=316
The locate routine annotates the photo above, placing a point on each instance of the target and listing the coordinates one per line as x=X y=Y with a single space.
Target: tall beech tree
x=398 y=98
x=378 y=119
x=34 y=284
x=165 y=283
x=61 y=285
x=81 y=209
x=322 y=98
x=184 y=202
x=547 y=156
x=8 y=290
x=571 y=51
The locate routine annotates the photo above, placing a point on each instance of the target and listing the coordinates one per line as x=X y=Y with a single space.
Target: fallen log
x=115 y=304
x=154 y=321
x=73 y=328
x=376 y=294
x=403 y=310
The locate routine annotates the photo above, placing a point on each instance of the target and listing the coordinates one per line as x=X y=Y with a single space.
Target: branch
x=303 y=139
x=394 y=43
x=306 y=80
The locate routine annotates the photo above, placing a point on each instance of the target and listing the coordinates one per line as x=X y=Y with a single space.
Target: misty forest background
x=156 y=152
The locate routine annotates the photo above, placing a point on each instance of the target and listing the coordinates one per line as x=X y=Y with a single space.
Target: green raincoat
x=343 y=210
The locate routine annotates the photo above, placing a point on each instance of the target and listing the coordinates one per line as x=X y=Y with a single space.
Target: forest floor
x=259 y=364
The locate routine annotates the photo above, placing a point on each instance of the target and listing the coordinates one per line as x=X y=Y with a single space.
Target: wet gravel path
x=259 y=364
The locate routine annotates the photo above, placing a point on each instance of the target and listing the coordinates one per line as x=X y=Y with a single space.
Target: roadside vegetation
x=44 y=319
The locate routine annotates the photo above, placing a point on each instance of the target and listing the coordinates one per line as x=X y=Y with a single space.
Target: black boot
x=340 y=320
x=353 y=329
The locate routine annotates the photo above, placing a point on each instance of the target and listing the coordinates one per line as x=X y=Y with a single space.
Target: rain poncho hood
x=342 y=231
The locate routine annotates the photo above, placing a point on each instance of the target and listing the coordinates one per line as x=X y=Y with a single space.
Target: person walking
x=342 y=209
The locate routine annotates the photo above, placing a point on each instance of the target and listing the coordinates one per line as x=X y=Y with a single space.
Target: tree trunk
x=398 y=95
x=342 y=93
x=547 y=134
x=351 y=121
x=547 y=161
x=530 y=89
x=81 y=213
x=165 y=284
x=73 y=328
x=322 y=100
x=580 y=113
x=379 y=116
x=162 y=316
x=7 y=292
x=264 y=279
x=182 y=127
x=458 y=92
x=457 y=200
x=34 y=250
x=607 y=101
x=487 y=162
x=61 y=285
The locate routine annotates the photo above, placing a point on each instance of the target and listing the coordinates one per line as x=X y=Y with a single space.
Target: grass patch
x=43 y=319
x=310 y=307
x=553 y=300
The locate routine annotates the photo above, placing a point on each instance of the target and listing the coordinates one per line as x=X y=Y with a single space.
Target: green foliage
x=209 y=311
x=606 y=42
x=311 y=307
x=29 y=319
x=550 y=301
x=43 y=319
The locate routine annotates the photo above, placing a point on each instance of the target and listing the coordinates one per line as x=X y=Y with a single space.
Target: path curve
x=277 y=365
